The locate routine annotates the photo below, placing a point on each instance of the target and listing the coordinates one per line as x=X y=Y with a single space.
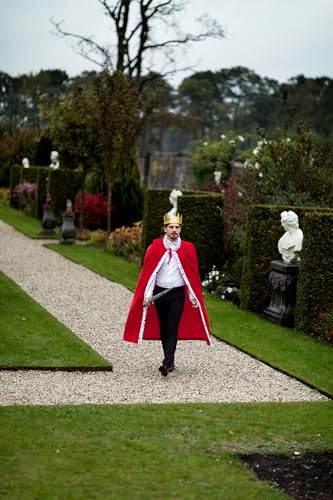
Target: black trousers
x=169 y=310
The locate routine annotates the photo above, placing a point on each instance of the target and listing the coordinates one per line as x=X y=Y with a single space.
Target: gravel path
x=95 y=309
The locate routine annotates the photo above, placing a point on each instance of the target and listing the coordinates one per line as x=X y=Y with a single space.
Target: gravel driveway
x=95 y=309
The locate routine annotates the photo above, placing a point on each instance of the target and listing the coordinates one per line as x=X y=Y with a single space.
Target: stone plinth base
x=283 y=283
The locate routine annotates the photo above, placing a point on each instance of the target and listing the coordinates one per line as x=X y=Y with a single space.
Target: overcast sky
x=275 y=38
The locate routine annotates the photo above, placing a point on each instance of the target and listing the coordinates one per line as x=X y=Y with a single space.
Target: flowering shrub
x=98 y=238
x=220 y=283
x=212 y=161
x=126 y=242
x=24 y=196
x=293 y=168
x=95 y=209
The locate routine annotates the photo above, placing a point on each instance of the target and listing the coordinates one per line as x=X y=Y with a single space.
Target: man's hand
x=194 y=303
x=146 y=302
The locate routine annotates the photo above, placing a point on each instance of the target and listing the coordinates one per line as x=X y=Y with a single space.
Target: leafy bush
x=95 y=210
x=210 y=157
x=222 y=284
x=126 y=242
x=98 y=238
x=24 y=196
x=323 y=325
x=292 y=169
x=4 y=194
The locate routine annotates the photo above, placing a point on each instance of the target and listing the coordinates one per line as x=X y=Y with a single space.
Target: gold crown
x=172 y=219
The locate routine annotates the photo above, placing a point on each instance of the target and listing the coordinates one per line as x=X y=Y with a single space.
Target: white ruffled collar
x=173 y=245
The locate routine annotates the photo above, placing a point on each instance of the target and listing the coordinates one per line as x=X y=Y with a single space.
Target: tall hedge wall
x=314 y=307
x=202 y=222
x=263 y=230
x=64 y=184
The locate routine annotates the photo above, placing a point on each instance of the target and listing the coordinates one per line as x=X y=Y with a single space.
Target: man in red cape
x=170 y=266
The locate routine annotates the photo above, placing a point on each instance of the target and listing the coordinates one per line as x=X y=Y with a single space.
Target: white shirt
x=169 y=274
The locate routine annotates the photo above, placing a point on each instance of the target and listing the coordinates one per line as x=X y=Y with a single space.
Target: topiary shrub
x=314 y=306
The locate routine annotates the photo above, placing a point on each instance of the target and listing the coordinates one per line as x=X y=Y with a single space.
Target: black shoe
x=164 y=370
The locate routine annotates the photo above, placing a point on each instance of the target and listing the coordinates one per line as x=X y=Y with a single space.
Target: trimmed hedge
x=263 y=230
x=314 y=307
x=202 y=222
x=64 y=184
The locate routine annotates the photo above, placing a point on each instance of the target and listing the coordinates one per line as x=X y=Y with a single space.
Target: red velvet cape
x=194 y=323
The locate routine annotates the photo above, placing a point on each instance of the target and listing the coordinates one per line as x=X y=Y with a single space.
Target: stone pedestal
x=48 y=222
x=67 y=230
x=283 y=283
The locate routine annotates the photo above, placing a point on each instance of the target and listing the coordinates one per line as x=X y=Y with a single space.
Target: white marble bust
x=54 y=165
x=25 y=163
x=290 y=244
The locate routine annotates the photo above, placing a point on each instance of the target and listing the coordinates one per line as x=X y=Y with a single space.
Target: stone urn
x=48 y=220
x=67 y=236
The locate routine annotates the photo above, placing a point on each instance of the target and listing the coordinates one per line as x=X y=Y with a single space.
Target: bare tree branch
x=132 y=25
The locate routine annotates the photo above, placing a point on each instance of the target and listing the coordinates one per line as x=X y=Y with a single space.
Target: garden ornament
x=290 y=244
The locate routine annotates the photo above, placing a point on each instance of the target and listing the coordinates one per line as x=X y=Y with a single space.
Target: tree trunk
x=109 y=208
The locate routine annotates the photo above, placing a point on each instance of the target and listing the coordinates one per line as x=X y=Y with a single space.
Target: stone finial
x=290 y=244
x=173 y=200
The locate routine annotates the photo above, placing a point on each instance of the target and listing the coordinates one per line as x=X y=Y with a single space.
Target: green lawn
x=21 y=222
x=186 y=451
x=151 y=451
x=31 y=337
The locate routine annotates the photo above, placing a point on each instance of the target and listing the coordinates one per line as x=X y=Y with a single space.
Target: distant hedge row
x=63 y=184
x=315 y=285
x=202 y=222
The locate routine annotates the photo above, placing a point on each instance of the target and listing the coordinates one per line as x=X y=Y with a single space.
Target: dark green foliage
x=156 y=203
x=127 y=197
x=314 y=311
x=63 y=184
x=202 y=222
x=263 y=231
x=203 y=226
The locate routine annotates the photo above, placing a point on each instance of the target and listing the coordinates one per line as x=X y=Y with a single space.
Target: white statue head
x=290 y=244
x=25 y=163
x=173 y=200
x=289 y=220
x=54 y=160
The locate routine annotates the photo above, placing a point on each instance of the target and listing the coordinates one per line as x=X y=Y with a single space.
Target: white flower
x=260 y=143
x=232 y=141
x=223 y=136
x=205 y=143
x=261 y=174
x=256 y=151
x=222 y=297
x=241 y=138
x=229 y=289
x=204 y=283
x=247 y=163
x=240 y=194
x=257 y=165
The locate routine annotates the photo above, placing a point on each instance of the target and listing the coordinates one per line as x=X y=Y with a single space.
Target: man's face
x=172 y=231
